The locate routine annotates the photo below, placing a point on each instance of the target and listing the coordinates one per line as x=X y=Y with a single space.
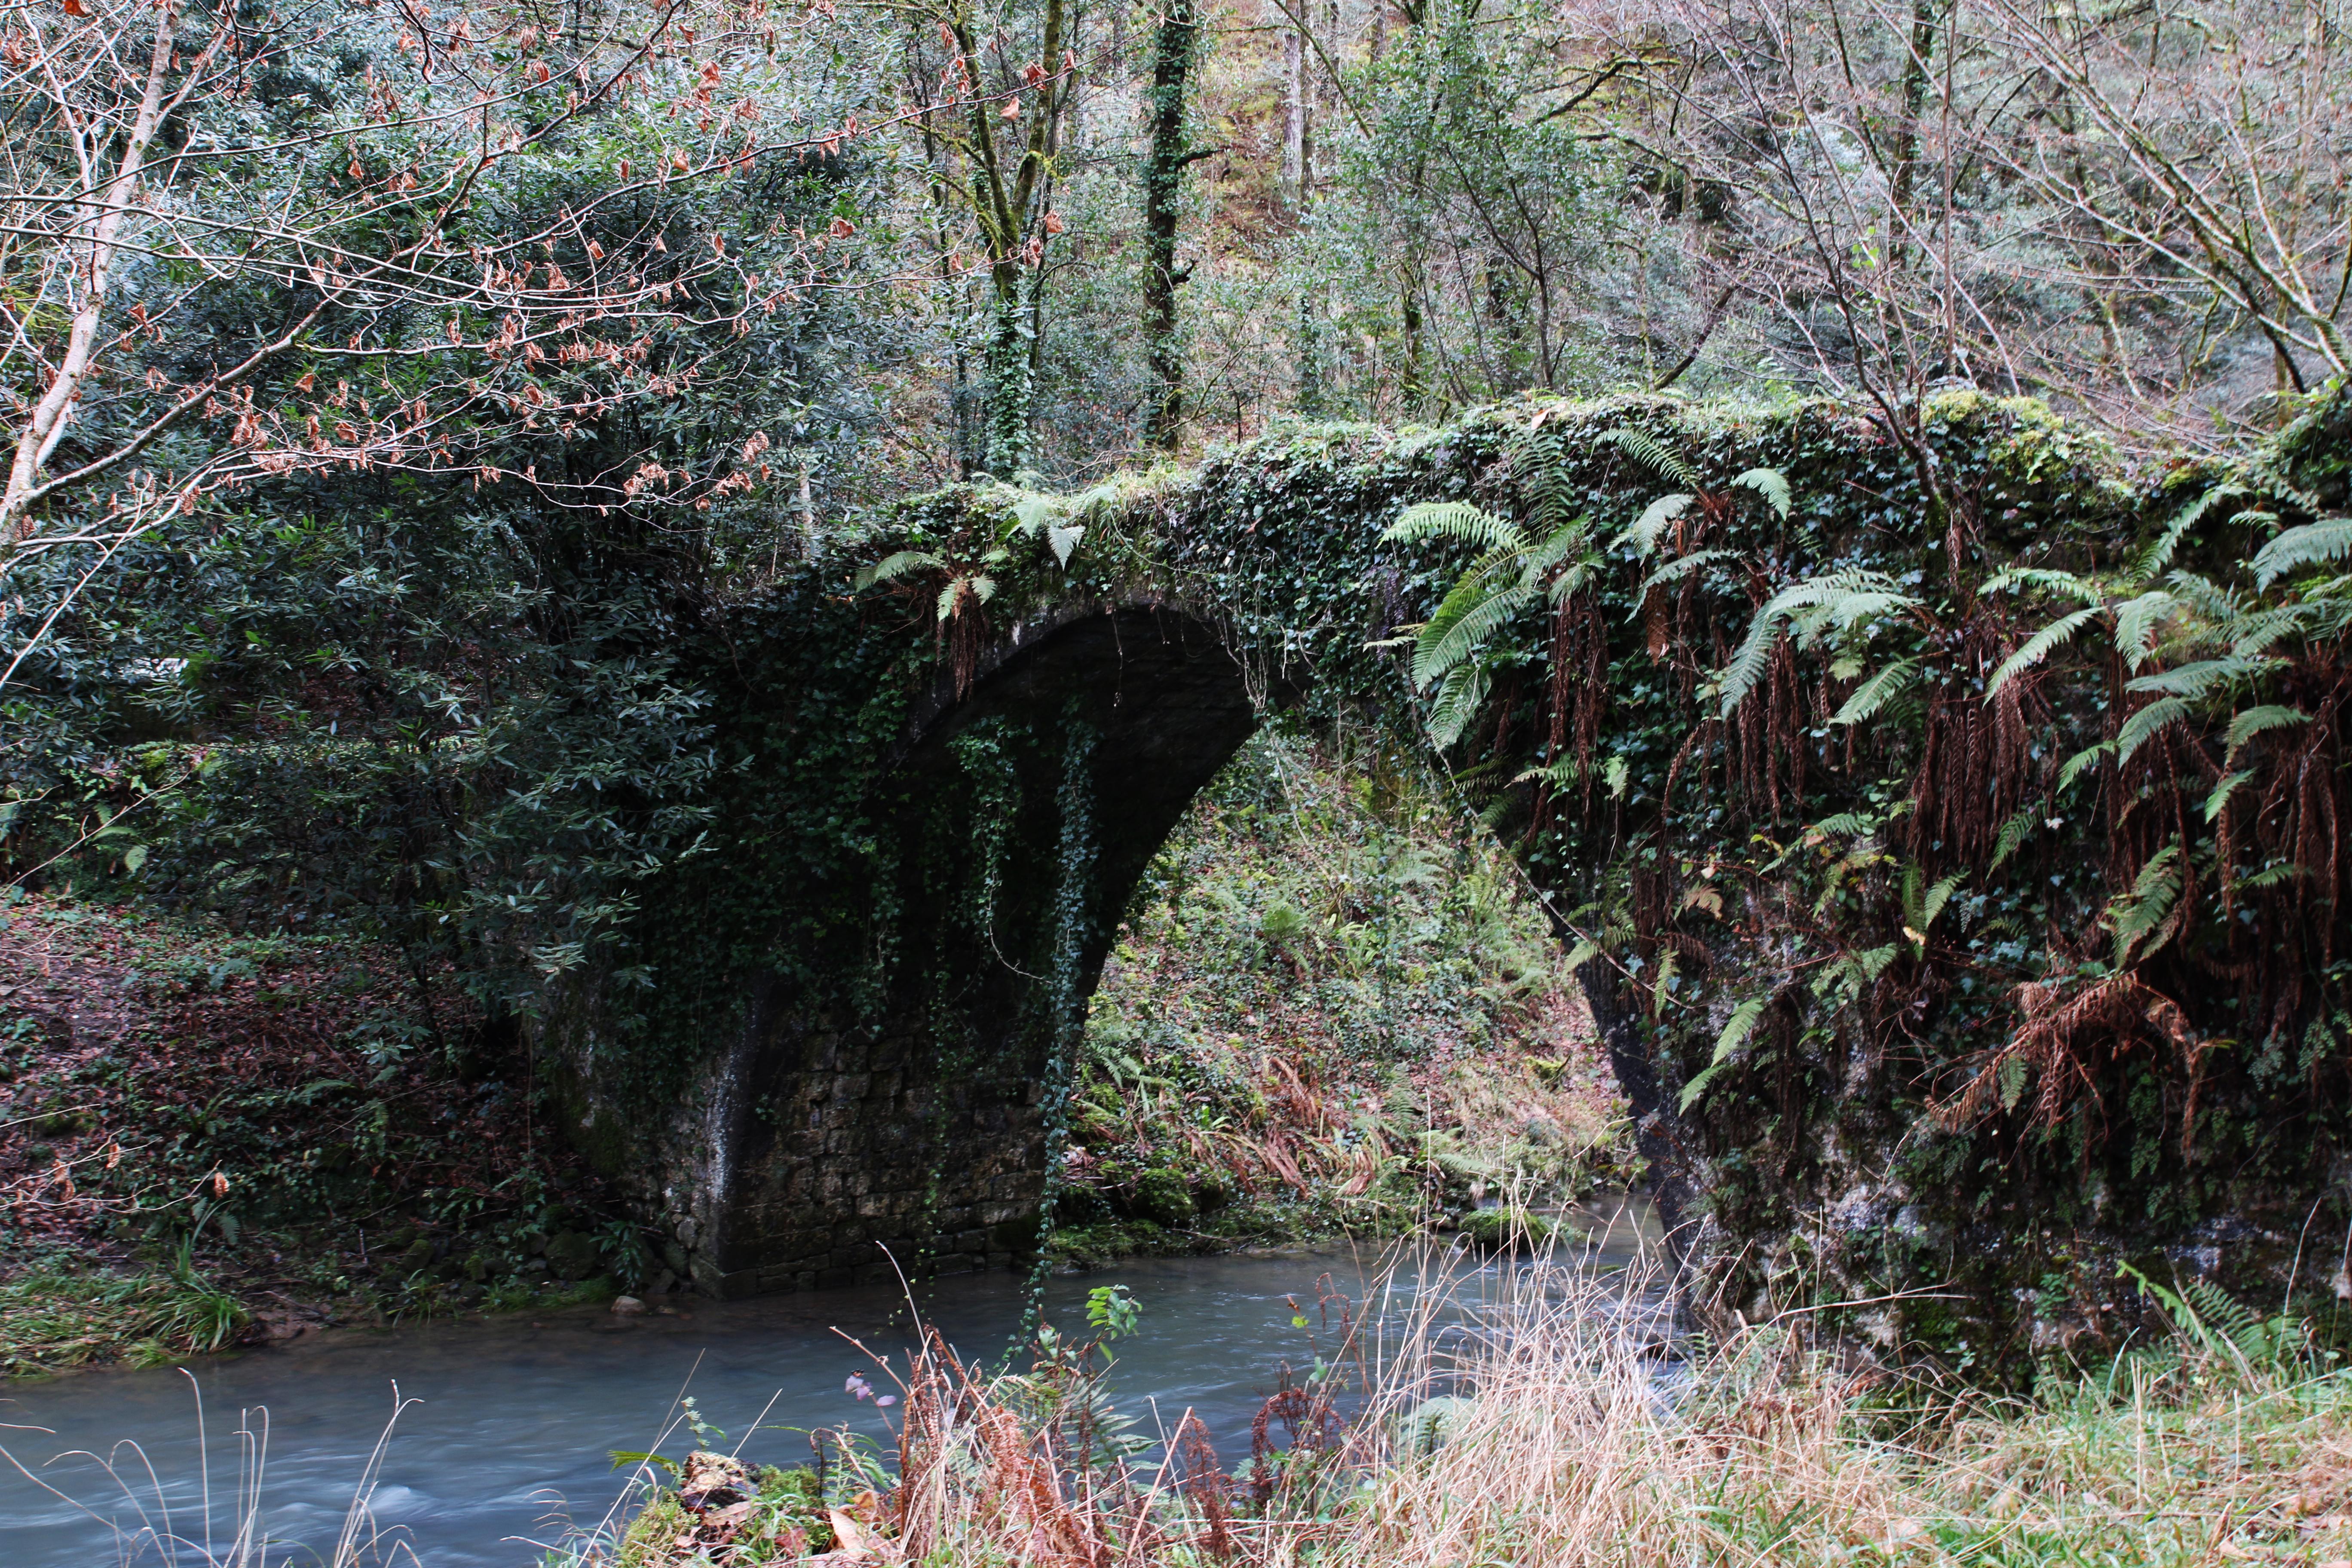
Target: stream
x=505 y=1434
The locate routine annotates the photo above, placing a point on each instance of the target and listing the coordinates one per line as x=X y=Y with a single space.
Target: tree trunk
x=1413 y=390
x=100 y=231
x=1015 y=236
x=1174 y=51
x=1009 y=376
x=1916 y=76
x=1297 y=148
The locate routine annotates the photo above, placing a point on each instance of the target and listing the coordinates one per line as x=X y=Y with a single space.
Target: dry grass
x=1574 y=1450
x=224 y=1525
x=1550 y=1425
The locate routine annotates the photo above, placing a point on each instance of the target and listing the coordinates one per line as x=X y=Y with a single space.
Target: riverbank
x=210 y=1138
x=1568 y=1436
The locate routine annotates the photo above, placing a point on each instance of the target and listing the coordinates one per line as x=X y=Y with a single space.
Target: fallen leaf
x=851 y=1536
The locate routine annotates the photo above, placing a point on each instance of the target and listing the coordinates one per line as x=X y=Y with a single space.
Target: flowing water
x=508 y=1438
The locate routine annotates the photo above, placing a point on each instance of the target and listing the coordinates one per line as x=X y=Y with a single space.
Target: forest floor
x=1330 y=1013
x=209 y=1138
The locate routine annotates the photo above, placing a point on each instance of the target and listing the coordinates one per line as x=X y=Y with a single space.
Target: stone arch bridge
x=841 y=1027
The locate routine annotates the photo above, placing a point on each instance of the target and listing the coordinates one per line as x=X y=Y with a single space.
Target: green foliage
x=1840 y=602
x=55 y=1315
x=2311 y=544
x=1950 y=870
x=1736 y=1030
x=1507 y=1227
x=1658 y=456
x=1453 y=520
x=1326 y=1011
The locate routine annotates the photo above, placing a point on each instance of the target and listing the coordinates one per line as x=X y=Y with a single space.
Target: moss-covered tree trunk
x=1175 y=50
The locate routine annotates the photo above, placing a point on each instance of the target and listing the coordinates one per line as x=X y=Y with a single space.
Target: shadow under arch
x=819 y=1132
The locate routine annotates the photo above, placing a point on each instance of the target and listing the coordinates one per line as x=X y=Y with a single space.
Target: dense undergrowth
x=1331 y=1009
x=1566 y=1434
x=209 y=1137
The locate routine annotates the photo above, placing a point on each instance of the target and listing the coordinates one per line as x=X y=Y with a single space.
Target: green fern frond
x=2270 y=876
x=1567 y=583
x=1770 y=483
x=2220 y=793
x=2013 y=834
x=1570 y=538
x=1651 y=526
x=2041 y=645
x=982 y=590
x=1459 y=698
x=1878 y=691
x=2087 y=757
x=2199 y=680
x=1051 y=516
x=2048 y=580
x=1453 y=520
x=1836 y=598
x=2159 y=554
x=1938 y=897
x=2154 y=892
x=1654 y=455
x=1466 y=619
x=892 y=567
x=1840 y=611
x=2253 y=721
x=2229 y=1319
x=1559 y=774
x=2329 y=539
x=2255 y=634
x=2211 y=600
x=1736 y=1030
x=2137 y=621
x=1681 y=566
x=1546 y=483
x=2143 y=724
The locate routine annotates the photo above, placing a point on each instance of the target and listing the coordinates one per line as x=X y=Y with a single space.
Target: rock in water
x=627 y=1307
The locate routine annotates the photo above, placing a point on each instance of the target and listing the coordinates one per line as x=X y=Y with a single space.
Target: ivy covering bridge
x=1945 y=827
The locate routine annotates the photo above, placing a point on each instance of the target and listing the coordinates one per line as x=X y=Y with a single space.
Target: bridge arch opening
x=821 y=1139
